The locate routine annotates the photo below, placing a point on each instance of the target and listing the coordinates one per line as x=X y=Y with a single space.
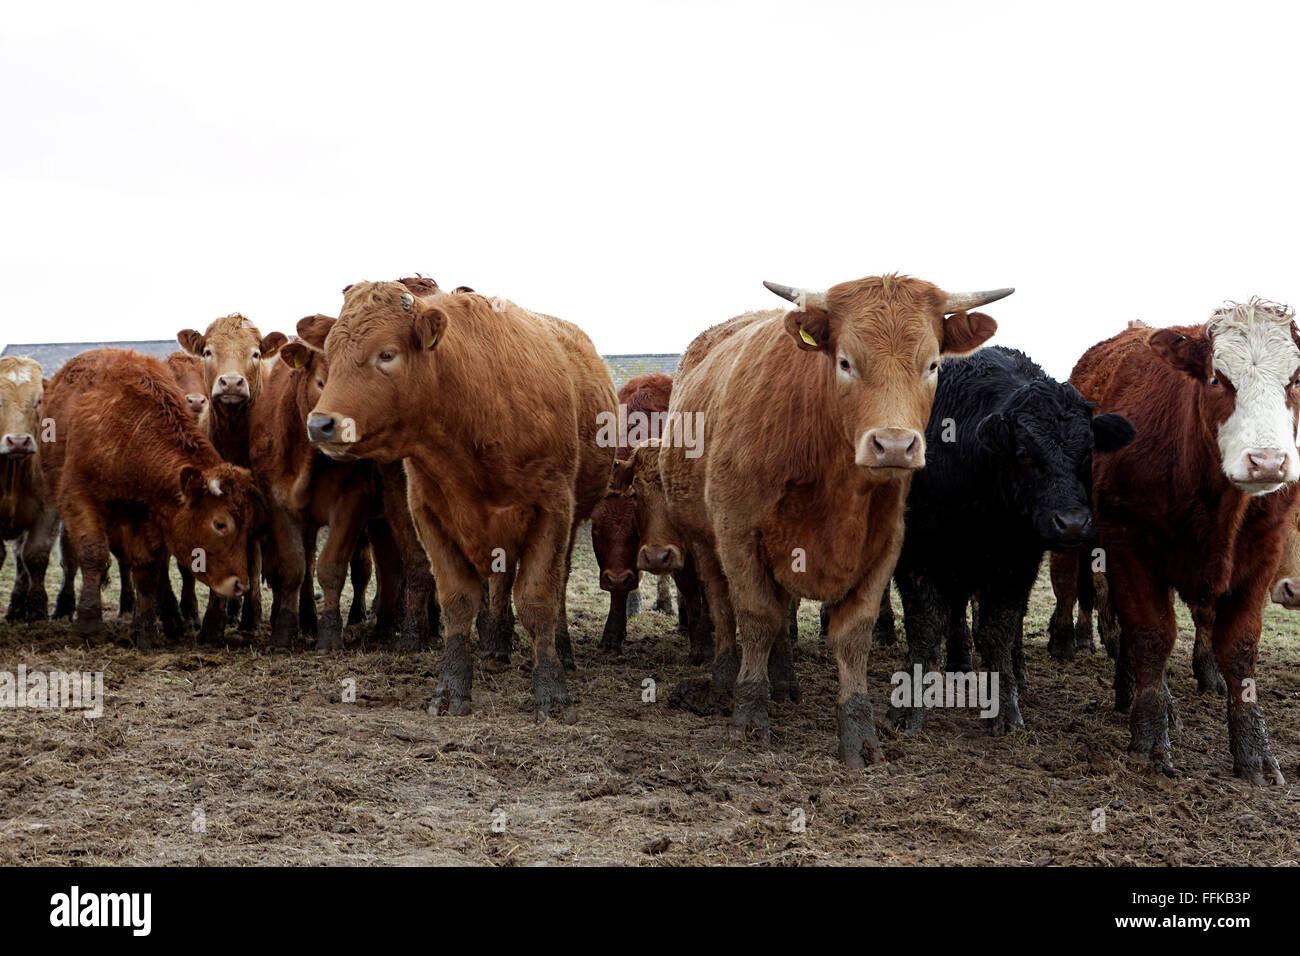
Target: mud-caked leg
x=1209 y=680
x=852 y=622
x=926 y=614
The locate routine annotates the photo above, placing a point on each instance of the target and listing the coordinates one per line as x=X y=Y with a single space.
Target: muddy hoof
x=1260 y=773
x=749 y=718
x=725 y=668
x=495 y=662
x=550 y=694
x=445 y=703
x=89 y=626
x=330 y=637
x=857 y=732
x=910 y=720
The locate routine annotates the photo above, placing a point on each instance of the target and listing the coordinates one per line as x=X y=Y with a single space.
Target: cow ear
x=272 y=343
x=314 y=328
x=620 y=476
x=192 y=486
x=428 y=322
x=812 y=329
x=964 y=332
x=296 y=355
x=1295 y=334
x=1189 y=355
x=1111 y=432
x=993 y=434
x=190 y=341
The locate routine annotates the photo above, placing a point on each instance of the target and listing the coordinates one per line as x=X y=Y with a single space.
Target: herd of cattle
x=455 y=444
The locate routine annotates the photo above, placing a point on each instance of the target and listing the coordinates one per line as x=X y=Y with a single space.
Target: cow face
x=614 y=533
x=661 y=549
x=883 y=338
x=209 y=531
x=234 y=355
x=378 y=354
x=188 y=373
x=21 y=389
x=1042 y=443
x=309 y=366
x=1246 y=362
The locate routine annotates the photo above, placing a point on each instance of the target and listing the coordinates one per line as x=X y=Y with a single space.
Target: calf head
x=661 y=549
x=208 y=532
x=1246 y=363
x=21 y=391
x=1285 y=588
x=188 y=374
x=614 y=533
x=1042 y=442
x=310 y=369
x=882 y=338
x=234 y=355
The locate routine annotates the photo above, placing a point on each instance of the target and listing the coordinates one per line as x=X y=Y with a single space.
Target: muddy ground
x=233 y=756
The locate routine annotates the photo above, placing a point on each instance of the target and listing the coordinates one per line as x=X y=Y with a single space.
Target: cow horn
x=408 y=300
x=805 y=298
x=961 y=301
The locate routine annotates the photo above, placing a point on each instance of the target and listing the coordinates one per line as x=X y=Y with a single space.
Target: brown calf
x=131 y=471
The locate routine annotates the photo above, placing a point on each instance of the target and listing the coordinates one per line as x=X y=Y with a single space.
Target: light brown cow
x=813 y=421
x=236 y=358
x=440 y=380
x=27 y=514
x=132 y=473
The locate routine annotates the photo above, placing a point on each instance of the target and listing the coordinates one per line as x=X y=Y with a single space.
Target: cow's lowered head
x=882 y=339
x=21 y=391
x=209 y=530
x=234 y=355
x=1043 y=440
x=1246 y=362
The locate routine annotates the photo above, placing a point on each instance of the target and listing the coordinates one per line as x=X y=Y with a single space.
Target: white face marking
x=1254 y=350
x=214 y=486
x=20 y=375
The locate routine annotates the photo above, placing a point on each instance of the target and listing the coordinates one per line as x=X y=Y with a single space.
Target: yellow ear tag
x=803 y=334
x=433 y=340
x=296 y=361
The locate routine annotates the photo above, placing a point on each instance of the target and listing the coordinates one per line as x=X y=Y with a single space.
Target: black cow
x=1007 y=476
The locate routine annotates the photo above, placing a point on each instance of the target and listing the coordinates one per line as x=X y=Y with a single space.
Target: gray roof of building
x=52 y=355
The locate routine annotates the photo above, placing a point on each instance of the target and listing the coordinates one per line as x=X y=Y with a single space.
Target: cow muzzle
x=1261 y=470
x=617 y=581
x=230 y=389
x=197 y=403
x=323 y=428
x=659 y=560
x=17 y=446
x=891 y=448
x=1287 y=593
x=231 y=587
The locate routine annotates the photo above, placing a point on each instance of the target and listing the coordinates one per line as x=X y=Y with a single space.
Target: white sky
x=639 y=168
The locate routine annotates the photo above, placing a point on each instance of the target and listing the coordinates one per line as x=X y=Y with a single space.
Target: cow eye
x=1214 y=380
x=385 y=356
x=220 y=526
x=207 y=353
x=319 y=383
x=934 y=367
x=256 y=354
x=844 y=364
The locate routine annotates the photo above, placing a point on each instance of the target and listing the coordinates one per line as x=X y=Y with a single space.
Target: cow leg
x=663 y=596
x=1000 y=624
x=250 y=617
x=37 y=545
x=213 y=629
x=90 y=547
x=1204 y=666
x=1238 y=619
x=420 y=616
x=496 y=621
x=1146 y=616
x=960 y=643
x=1107 y=620
x=389 y=581
x=308 y=621
x=539 y=602
x=562 y=646
x=287 y=567
x=717 y=601
x=633 y=604
x=615 y=633
x=126 y=595
x=347 y=521
x=189 y=604
x=169 y=613
x=65 y=603
x=1061 y=638
x=144 y=620
x=18 y=598
x=852 y=622
x=780 y=660
x=926 y=613
x=360 y=569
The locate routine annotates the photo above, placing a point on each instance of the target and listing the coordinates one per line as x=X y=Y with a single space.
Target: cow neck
x=20 y=481
x=228 y=430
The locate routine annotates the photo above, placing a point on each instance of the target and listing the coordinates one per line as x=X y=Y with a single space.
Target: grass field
x=234 y=756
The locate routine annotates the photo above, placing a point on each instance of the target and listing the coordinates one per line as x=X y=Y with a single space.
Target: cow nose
x=17 y=445
x=618 y=580
x=1266 y=464
x=197 y=402
x=1071 y=524
x=1287 y=593
x=240 y=587
x=891 y=448
x=654 y=560
x=320 y=427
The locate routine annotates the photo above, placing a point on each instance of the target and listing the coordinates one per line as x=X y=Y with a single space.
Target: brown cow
x=438 y=380
x=1199 y=504
x=642 y=401
x=27 y=514
x=813 y=422
x=306 y=492
x=235 y=357
x=130 y=470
